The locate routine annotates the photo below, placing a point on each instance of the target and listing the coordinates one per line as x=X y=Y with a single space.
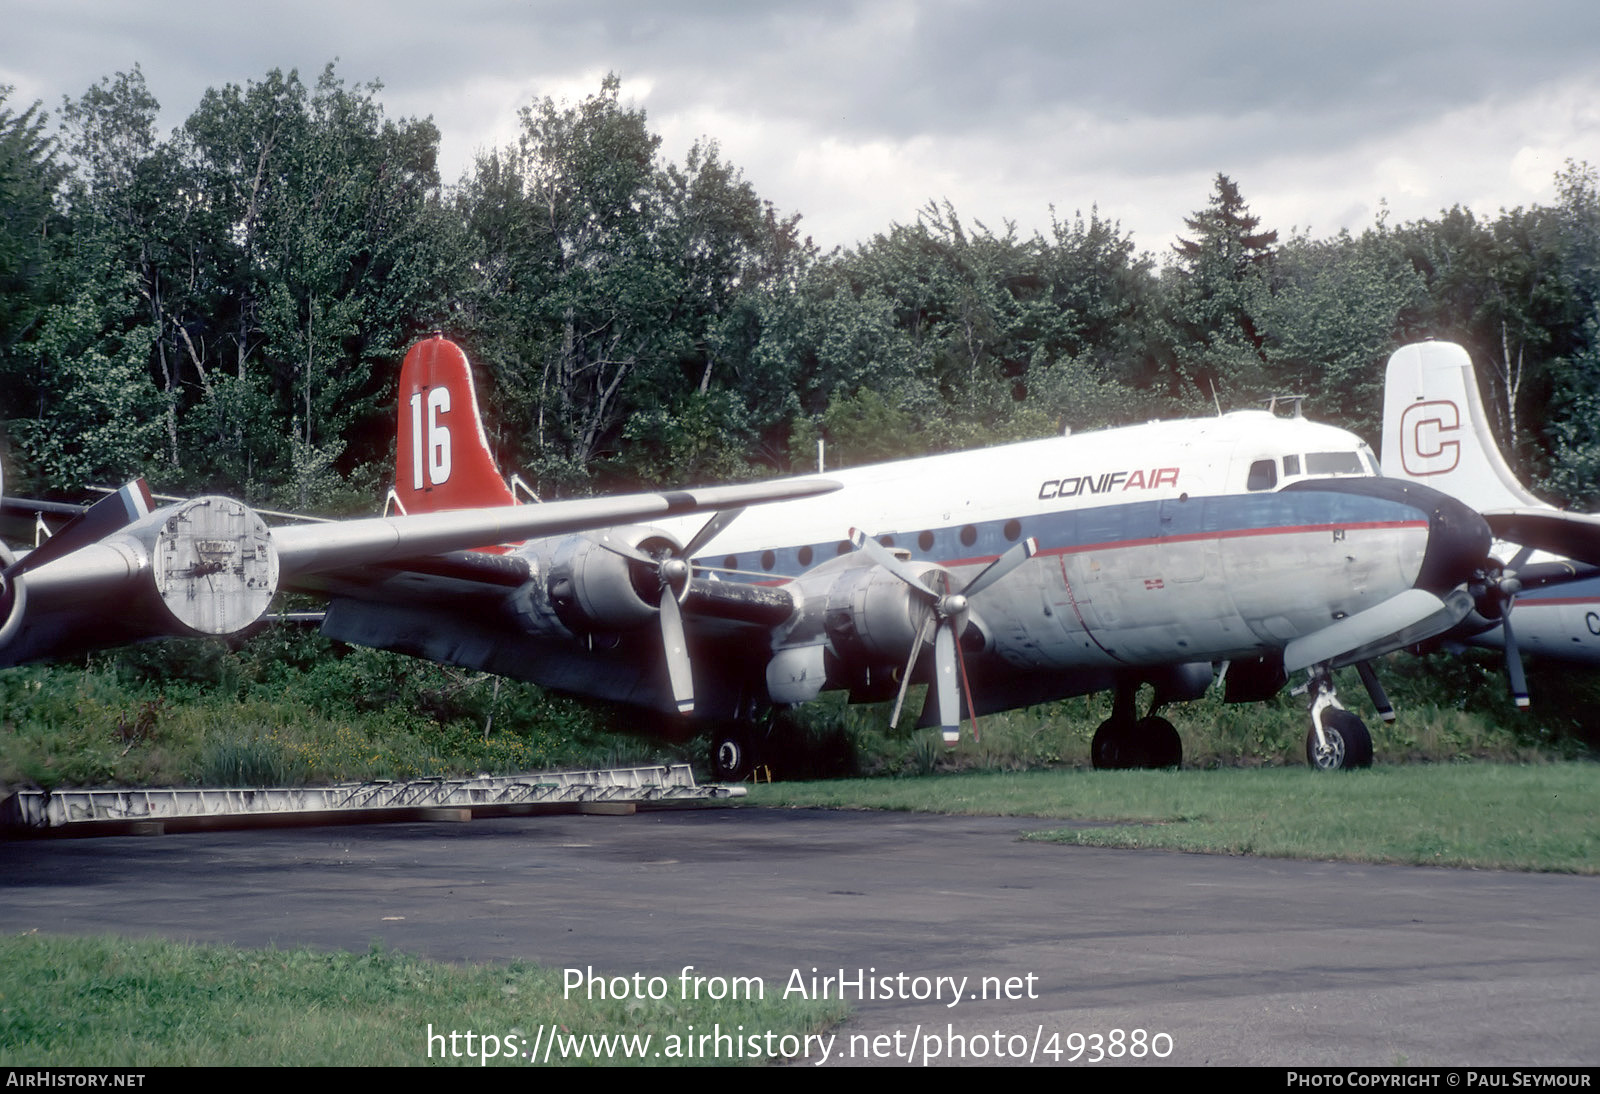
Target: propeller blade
x=711 y=530
x=1514 y=673
x=676 y=646
x=617 y=547
x=886 y=558
x=1000 y=567
x=911 y=662
x=944 y=671
x=1556 y=572
x=966 y=689
x=1379 y=697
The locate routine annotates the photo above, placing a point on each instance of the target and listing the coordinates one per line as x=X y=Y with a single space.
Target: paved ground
x=1239 y=960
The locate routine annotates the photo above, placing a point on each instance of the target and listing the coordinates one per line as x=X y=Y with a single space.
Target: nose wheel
x=1338 y=740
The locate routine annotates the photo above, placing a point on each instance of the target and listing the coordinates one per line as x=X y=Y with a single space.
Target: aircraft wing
x=321 y=548
x=211 y=566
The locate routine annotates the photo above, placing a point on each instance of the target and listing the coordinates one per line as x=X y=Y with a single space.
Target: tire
x=1349 y=743
x=732 y=758
x=1113 y=747
x=1159 y=745
x=1104 y=749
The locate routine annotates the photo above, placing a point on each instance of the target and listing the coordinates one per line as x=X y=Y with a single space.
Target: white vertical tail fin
x=1435 y=430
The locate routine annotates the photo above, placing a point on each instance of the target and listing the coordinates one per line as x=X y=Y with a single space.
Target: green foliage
x=1483 y=816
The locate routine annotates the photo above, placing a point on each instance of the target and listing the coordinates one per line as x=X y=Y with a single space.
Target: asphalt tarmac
x=1235 y=960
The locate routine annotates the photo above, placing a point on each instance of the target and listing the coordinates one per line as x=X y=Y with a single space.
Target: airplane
x=1001 y=577
x=1436 y=432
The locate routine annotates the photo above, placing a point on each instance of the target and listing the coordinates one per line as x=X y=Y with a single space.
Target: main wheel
x=1349 y=744
x=1108 y=750
x=1116 y=747
x=732 y=758
x=1158 y=743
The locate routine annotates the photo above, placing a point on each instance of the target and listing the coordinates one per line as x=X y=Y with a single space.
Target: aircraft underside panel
x=623 y=669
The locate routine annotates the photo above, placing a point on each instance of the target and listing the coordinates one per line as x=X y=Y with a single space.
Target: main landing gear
x=1122 y=741
x=736 y=749
x=1338 y=740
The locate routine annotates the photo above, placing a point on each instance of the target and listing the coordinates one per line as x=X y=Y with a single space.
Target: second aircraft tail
x=1435 y=429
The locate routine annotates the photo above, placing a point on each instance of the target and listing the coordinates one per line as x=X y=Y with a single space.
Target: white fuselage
x=1160 y=543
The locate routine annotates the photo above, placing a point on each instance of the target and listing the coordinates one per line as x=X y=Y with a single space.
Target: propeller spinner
x=947 y=617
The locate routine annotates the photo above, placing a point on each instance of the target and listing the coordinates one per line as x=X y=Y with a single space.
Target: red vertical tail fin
x=442 y=460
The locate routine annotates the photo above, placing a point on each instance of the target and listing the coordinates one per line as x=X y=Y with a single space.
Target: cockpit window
x=1291 y=466
x=1333 y=463
x=1263 y=475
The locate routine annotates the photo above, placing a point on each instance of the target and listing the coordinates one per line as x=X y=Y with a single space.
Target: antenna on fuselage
x=1215 y=401
x=1296 y=405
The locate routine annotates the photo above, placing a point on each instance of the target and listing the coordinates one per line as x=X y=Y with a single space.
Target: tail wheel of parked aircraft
x=1349 y=744
x=1158 y=743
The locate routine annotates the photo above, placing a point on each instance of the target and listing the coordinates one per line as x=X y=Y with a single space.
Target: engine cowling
x=590 y=588
x=873 y=616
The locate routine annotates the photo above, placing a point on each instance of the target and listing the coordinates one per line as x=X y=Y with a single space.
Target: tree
x=1218 y=278
x=1331 y=319
x=29 y=177
x=619 y=298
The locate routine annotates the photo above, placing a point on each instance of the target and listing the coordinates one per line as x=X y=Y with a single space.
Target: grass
x=1496 y=816
x=115 y=1003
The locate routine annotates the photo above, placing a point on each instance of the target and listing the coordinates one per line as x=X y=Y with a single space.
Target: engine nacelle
x=214 y=565
x=579 y=586
x=874 y=617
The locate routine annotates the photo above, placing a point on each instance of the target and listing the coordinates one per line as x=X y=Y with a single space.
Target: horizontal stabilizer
x=1573 y=535
x=1403 y=620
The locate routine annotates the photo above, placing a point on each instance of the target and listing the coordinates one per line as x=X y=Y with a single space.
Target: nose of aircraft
x=1458 y=536
x=1458 y=539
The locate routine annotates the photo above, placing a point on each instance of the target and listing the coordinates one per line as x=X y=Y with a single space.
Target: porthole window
x=925 y=541
x=768 y=560
x=969 y=535
x=731 y=562
x=1013 y=530
x=804 y=555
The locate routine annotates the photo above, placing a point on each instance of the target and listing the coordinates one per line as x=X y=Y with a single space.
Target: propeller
x=946 y=616
x=672 y=576
x=1498 y=593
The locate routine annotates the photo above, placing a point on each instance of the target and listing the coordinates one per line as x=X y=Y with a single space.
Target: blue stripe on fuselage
x=1102 y=527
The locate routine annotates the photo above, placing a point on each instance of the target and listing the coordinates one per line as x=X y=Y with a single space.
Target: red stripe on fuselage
x=1236 y=533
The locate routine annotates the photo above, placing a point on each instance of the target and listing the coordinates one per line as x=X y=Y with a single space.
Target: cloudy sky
x=855 y=113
